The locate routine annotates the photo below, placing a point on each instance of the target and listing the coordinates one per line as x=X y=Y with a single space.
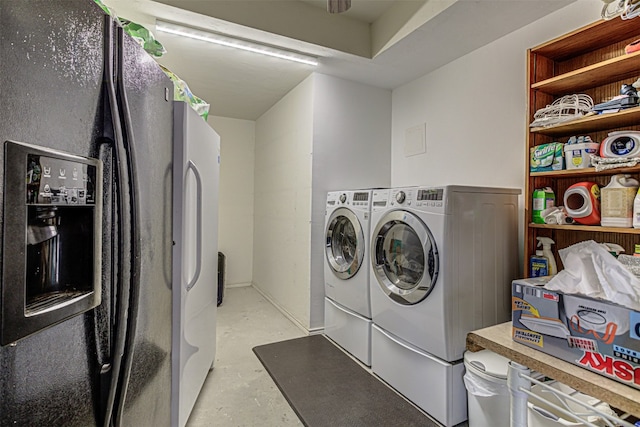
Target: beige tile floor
x=239 y=392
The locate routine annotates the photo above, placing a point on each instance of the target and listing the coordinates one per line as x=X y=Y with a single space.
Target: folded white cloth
x=589 y=269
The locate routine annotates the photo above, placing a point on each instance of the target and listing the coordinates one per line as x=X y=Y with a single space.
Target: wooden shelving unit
x=592 y=61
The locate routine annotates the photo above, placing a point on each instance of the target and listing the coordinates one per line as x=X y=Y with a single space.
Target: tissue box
x=546 y=157
x=597 y=335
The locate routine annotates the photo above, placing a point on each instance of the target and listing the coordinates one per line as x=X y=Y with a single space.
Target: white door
x=195 y=257
x=344 y=243
x=404 y=257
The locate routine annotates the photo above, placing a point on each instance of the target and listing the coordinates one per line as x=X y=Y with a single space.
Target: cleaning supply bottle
x=543 y=198
x=617 y=200
x=538 y=265
x=636 y=210
x=546 y=243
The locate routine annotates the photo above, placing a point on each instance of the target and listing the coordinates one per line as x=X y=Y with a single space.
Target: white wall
x=235 y=225
x=326 y=134
x=351 y=150
x=475 y=110
x=282 y=203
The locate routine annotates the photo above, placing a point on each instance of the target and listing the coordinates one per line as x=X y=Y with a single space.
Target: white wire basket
x=564 y=109
x=625 y=9
x=575 y=409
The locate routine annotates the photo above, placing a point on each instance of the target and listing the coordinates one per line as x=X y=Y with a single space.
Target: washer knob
x=401 y=197
x=343 y=198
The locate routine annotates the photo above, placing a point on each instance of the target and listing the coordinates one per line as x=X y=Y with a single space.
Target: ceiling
x=384 y=43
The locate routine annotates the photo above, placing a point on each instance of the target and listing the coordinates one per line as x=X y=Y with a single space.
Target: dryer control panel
x=402 y=197
x=431 y=199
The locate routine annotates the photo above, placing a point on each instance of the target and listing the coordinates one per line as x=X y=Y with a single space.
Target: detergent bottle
x=636 y=210
x=616 y=201
x=543 y=198
x=538 y=265
x=546 y=243
x=582 y=202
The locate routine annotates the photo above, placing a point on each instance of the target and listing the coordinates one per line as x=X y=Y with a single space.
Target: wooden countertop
x=498 y=339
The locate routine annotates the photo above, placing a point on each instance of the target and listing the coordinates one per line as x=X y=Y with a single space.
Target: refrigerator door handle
x=121 y=309
x=134 y=236
x=196 y=173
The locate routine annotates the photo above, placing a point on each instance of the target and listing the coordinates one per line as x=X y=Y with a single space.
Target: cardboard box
x=597 y=335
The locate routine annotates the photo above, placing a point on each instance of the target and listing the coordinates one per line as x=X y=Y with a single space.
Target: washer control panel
x=359 y=200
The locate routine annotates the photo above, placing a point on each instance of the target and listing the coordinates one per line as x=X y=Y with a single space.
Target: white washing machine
x=347 y=309
x=442 y=261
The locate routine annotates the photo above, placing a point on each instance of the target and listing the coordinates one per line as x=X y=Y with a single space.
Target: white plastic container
x=578 y=156
x=488 y=398
x=636 y=210
x=617 y=201
x=541 y=414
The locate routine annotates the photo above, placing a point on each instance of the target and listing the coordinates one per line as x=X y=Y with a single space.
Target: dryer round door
x=404 y=257
x=344 y=243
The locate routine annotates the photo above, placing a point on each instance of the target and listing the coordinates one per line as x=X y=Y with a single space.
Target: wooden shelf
x=591 y=37
x=612 y=70
x=591 y=228
x=565 y=173
x=628 y=117
x=498 y=339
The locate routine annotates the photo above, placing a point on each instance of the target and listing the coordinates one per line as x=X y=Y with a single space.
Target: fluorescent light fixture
x=224 y=40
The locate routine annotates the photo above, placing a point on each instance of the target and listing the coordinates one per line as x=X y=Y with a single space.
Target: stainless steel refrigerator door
x=196 y=177
x=149 y=93
x=51 y=65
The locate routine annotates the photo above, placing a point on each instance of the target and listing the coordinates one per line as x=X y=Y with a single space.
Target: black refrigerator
x=86 y=252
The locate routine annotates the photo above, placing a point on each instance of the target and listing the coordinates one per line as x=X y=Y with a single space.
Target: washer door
x=344 y=243
x=404 y=257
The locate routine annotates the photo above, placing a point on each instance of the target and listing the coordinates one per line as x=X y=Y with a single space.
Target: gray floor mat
x=325 y=387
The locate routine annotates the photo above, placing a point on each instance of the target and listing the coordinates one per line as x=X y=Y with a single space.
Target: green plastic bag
x=144 y=37
x=106 y=8
x=183 y=93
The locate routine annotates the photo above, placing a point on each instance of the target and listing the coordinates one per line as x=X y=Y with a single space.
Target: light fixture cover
x=338 y=6
x=234 y=42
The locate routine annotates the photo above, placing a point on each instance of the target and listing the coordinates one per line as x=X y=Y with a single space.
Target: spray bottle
x=538 y=265
x=546 y=243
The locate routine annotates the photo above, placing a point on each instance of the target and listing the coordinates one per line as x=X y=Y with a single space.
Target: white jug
x=617 y=201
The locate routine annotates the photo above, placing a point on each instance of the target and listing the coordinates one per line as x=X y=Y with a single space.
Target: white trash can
x=488 y=397
x=541 y=414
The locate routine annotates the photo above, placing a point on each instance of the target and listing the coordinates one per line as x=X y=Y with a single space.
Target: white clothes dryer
x=346 y=272
x=442 y=261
